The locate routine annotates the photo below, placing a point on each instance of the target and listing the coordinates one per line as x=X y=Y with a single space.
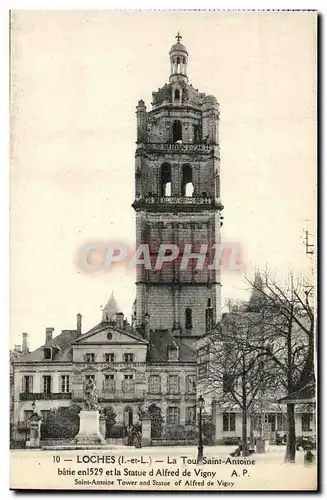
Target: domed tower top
x=110 y=309
x=178 y=61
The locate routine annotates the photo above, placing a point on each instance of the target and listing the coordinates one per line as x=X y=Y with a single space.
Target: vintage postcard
x=163 y=250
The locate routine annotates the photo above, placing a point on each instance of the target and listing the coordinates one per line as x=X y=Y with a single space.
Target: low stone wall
x=59 y=441
x=53 y=442
x=231 y=440
x=173 y=442
x=119 y=441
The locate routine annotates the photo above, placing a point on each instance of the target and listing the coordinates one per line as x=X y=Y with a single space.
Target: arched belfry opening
x=177 y=131
x=165 y=180
x=188 y=318
x=187 y=181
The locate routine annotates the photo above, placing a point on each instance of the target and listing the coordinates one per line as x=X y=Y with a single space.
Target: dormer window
x=177 y=95
x=47 y=353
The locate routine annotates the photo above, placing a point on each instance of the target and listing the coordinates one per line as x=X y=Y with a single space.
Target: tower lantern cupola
x=178 y=61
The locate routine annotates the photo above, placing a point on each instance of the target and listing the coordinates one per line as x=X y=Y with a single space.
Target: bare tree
x=287 y=330
x=236 y=372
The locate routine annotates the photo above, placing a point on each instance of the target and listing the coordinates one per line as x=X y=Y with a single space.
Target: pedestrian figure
x=237 y=451
x=278 y=439
x=138 y=439
x=130 y=436
x=309 y=457
x=251 y=448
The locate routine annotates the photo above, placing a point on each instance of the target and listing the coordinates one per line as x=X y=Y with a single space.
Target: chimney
x=79 y=324
x=147 y=326
x=120 y=321
x=17 y=348
x=24 y=343
x=48 y=334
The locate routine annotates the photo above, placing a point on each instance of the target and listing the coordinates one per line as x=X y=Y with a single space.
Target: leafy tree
x=62 y=423
x=156 y=420
x=110 y=418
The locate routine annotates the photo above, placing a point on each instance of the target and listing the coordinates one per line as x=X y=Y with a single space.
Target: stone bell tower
x=177 y=201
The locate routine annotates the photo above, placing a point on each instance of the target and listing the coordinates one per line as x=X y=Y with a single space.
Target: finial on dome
x=178 y=60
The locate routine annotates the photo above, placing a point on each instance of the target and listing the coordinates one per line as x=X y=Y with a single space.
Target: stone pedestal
x=102 y=426
x=261 y=445
x=35 y=433
x=89 y=429
x=146 y=431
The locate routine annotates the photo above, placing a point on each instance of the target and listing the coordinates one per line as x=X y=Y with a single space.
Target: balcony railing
x=31 y=396
x=172 y=148
x=178 y=200
x=117 y=365
x=114 y=396
x=154 y=395
x=173 y=395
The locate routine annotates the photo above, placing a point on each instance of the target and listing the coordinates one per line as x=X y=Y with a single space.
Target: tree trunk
x=291 y=436
x=244 y=433
x=252 y=429
x=244 y=413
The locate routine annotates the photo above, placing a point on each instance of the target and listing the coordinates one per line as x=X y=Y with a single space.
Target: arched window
x=177 y=131
x=128 y=416
x=177 y=95
x=165 y=180
x=197 y=133
x=209 y=319
x=187 y=181
x=188 y=318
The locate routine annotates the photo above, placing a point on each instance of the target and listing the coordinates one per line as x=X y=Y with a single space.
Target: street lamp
x=200 y=446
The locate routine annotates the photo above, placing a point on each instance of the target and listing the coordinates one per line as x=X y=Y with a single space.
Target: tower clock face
x=109 y=336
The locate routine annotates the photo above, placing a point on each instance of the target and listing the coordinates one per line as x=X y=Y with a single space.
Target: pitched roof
x=161 y=341
x=61 y=342
x=107 y=326
x=306 y=394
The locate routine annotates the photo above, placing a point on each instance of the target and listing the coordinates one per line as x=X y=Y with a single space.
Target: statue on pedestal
x=143 y=411
x=91 y=397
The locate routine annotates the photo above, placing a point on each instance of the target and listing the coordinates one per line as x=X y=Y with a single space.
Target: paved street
x=170 y=466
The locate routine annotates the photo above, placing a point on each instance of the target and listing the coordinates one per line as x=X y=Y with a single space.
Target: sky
x=76 y=78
